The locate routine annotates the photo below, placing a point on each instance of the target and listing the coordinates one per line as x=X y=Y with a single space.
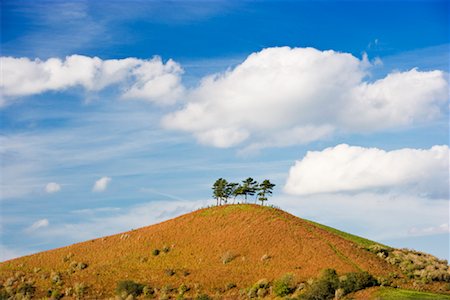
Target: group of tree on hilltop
x=224 y=190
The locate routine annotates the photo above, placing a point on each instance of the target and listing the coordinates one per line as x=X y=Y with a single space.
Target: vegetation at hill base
x=241 y=251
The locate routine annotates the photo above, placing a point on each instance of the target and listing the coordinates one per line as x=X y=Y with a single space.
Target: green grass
x=399 y=294
x=350 y=237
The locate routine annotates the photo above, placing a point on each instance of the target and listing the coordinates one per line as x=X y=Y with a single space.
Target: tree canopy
x=223 y=190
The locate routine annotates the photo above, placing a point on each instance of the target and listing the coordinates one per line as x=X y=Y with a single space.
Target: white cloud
x=151 y=80
x=52 y=187
x=101 y=184
x=443 y=228
x=347 y=168
x=285 y=96
x=38 y=224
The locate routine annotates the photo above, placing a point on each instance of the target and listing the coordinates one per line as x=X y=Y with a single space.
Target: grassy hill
x=220 y=251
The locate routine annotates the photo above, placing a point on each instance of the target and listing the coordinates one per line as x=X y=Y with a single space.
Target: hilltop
x=220 y=250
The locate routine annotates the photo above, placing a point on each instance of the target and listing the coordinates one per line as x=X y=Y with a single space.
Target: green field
x=350 y=237
x=399 y=294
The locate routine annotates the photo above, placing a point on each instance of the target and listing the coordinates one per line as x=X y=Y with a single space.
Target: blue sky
x=343 y=104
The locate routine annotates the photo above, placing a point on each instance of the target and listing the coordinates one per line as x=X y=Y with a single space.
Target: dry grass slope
x=207 y=250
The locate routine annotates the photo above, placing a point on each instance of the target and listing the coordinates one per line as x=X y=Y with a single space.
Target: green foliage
x=155 y=252
x=166 y=249
x=265 y=188
x=259 y=289
x=80 y=290
x=284 y=286
x=324 y=288
x=249 y=187
x=203 y=297
x=129 y=287
x=183 y=289
x=357 y=281
x=55 y=294
x=223 y=190
x=26 y=289
x=148 y=291
x=328 y=285
x=220 y=191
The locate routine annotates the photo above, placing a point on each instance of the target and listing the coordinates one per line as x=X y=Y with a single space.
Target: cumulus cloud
x=52 y=187
x=284 y=96
x=151 y=80
x=347 y=168
x=38 y=224
x=101 y=184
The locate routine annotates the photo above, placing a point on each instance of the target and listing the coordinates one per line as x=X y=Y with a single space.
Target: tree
x=265 y=188
x=249 y=186
x=232 y=189
x=219 y=190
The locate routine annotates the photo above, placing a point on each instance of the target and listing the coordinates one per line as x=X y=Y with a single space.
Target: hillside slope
x=207 y=249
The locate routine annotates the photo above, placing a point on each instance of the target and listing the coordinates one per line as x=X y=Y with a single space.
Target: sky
x=119 y=115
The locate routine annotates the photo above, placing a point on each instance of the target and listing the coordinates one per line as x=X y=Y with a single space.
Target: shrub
x=82 y=266
x=148 y=291
x=284 y=286
x=56 y=277
x=203 y=297
x=27 y=289
x=129 y=287
x=166 y=249
x=183 y=289
x=80 y=290
x=169 y=272
x=55 y=294
x=155 y=252
x=357 y=281
x=230 y=286
x=259 y=289
x=324 y=288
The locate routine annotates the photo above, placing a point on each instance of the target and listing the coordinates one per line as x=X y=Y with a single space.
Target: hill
x=219 y=251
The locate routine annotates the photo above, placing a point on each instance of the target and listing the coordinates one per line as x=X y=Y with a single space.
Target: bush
x=166 y=249
x=203 y=297
x=82 y=266
x=148 y=291
x=129 y=287
x=259 y=289
x=155 y=252
x=27 y=289
x=80 y=290
x=284 y=286
x=357 y=281
x=324 y=288
x=230 y=286
x=183 y=289
x=169 y=272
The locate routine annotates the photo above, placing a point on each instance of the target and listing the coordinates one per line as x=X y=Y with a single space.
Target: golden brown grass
x=197 y=244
